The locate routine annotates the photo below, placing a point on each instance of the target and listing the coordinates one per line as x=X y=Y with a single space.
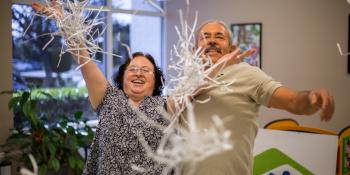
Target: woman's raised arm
x=96 y=82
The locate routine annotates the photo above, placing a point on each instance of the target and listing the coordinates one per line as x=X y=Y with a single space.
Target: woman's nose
x=138 y=72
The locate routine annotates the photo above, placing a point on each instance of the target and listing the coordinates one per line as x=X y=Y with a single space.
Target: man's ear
x=233 y=47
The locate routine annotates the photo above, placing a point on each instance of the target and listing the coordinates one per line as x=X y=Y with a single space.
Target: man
x=239 y=108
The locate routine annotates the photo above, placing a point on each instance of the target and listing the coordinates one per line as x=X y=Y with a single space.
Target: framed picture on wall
x=248 y=35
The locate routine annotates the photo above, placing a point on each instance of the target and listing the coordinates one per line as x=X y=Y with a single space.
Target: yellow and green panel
x=275 y=162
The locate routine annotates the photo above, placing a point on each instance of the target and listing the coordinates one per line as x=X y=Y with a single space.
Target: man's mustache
x=212 y=47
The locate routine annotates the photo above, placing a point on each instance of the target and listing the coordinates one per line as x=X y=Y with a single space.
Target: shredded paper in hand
x=77 y=26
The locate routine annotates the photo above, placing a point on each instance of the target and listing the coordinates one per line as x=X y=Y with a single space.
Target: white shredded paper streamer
x=77 y=26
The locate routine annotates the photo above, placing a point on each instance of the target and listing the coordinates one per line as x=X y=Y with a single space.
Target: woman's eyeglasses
x=143 y=70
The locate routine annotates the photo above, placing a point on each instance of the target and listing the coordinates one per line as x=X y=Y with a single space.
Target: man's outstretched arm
x=304 y=102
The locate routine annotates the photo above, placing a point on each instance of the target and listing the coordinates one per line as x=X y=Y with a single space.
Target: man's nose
x=211 y=41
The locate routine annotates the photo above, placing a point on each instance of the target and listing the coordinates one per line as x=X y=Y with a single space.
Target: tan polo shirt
x=238 y=108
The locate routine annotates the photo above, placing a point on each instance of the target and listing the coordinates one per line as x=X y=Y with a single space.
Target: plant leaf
x=13 y=102
x=70 y=130
x=46 y=140
x=52 y=149
x=54 y=164
x=29 y=112
x=43 y=169
x=46 y=94
x=78 y=115
x=79 y=164
x=24 y=97
x=71 y=161
x=74 y=142
x=91 y=134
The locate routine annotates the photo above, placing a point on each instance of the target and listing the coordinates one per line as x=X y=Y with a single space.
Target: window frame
x=107 y=59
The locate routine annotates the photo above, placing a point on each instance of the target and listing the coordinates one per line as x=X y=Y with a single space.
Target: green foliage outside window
x=53 y=144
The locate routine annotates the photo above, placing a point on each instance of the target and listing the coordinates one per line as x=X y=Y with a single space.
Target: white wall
x=298 y=46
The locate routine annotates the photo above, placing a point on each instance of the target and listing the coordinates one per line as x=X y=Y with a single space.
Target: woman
x=116 y=147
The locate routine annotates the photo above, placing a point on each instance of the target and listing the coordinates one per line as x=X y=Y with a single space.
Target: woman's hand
x=54 y=11
x=95 y=81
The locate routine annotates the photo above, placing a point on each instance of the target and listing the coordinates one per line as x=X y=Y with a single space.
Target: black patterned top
x=116 y=146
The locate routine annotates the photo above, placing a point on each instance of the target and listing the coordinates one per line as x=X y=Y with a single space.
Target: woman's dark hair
x=158 y=74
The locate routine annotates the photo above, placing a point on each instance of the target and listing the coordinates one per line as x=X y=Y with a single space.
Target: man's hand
x=304 y=102
x=234 y=57
x=324 y=101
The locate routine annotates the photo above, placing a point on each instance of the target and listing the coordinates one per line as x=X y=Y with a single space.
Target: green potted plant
x=53 y=145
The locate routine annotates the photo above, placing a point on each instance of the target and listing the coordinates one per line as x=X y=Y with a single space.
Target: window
x=141 y=33
x=142 y=5
x=131 y=22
